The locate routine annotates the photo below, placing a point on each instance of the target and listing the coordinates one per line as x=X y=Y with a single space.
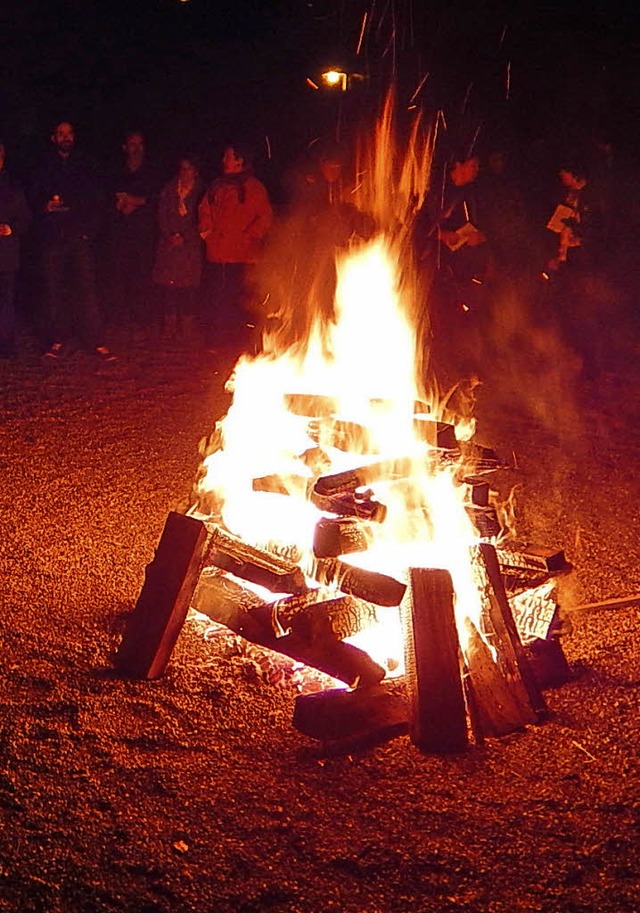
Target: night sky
x=192 y=74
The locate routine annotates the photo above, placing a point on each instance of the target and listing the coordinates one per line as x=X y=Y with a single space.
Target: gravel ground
x=195 y=793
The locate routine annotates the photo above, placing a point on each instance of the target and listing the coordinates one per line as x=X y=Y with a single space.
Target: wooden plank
x=496 y=712
x=361 y=713
x=437 y=711
x=170 y=580
x=504 y=637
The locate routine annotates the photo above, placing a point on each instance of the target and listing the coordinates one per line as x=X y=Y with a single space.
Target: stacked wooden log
x=490 y=686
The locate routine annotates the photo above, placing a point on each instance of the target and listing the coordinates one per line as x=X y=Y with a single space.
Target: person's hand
x=5 y=229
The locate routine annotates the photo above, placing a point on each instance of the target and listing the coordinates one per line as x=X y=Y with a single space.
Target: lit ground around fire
x=195 y=793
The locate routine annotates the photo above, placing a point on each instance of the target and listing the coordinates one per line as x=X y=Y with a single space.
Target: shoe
x=105 y=354
x=55 y=352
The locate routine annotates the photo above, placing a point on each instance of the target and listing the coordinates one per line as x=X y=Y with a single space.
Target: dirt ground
x=194 y=792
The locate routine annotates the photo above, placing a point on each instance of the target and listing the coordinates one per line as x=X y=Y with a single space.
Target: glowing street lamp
x=334 y=79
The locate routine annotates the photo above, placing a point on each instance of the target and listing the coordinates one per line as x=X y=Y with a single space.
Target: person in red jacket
x=234 y=217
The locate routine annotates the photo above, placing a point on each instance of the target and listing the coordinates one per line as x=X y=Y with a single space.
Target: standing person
x=68 y=208
x=178 y=262
x=14 y=220
x=131 y=234
x=234 y=217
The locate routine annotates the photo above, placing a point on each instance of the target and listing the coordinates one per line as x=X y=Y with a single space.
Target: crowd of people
x=130 y=249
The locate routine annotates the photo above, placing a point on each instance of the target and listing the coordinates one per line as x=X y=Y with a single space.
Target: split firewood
x=314 y=614
x=170 y=580
x=334 y=536
x=343 y=615
x=371 y=586
x=441 y=435
x=315 y=644
x=351 y=504
x=513 y=557
x=505 y=639
x=363 y=713
x=495 y=708
x=437 y=710
x=383 y=470
x=232 y=554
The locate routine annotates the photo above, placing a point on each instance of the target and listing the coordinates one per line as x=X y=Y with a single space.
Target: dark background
x=194 y=74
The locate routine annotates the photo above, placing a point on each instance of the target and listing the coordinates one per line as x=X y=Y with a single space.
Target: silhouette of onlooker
x=178 y=262
x=131 y=234
x=234 y=217
x=14 y=220
x=68 y=205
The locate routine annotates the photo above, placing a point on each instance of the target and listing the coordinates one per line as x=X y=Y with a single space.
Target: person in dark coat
x=14 y=220
x=178 y=262
x=130 y=234
x=68 y=206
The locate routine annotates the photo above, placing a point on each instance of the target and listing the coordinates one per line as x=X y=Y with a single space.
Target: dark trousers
x=71 y=298
x=7 y=314
x=227 y=321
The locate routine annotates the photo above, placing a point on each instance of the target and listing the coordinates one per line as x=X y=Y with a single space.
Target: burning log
x=383 y=470
x=437 y=712
x=351 y=504
x=511 y=654
x=368 y=585
x=282 y=485
x=163 y=603
x=341 y=536
x=311 y=614
x=493 y=707
x=257 y=565
x=303 y=630
x=533 y=557
x=479 y=459
x=441 y=435
x=363 y=715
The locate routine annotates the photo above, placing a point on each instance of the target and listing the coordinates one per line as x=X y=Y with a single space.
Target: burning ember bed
x=346 y=517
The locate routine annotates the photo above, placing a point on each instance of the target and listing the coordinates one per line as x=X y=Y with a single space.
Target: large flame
x=369 y=360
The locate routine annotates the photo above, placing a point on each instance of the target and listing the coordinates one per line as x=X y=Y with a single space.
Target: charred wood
x=380 y=589
x=506 y=640
x=363 y=713
x=383 y=470
x=232 y=554
x=441 y=435
x=308 y=631
x=170 y=579
x=548 y=663
x=493 y=705
x=351 y=504
x=341 y=536
x=437 y=711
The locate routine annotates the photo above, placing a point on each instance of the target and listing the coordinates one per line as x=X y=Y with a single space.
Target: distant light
x=334 y=78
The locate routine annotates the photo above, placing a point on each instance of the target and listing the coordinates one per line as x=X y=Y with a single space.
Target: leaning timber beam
x=437 y=710
x=506 y=640
x=170 y=580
